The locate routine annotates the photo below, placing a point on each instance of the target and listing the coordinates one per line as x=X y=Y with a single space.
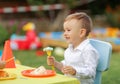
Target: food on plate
x=2 y=64
x=3 y=74
x=40 y=70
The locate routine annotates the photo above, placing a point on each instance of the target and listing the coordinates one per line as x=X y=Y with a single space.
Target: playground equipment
x=29 y=41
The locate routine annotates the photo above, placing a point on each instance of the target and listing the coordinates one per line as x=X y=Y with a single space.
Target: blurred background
x=45 y=18
x=48 y=16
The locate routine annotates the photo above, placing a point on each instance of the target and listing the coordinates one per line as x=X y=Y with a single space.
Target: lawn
x=112 y=76
x=29 y=58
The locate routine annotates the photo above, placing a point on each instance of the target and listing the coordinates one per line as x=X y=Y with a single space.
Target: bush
x=6 y=33
x=3 y=34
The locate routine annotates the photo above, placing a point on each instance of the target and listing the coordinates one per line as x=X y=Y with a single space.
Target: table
x=57 y=79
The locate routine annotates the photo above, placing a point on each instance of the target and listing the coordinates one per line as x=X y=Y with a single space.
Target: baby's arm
x=51 y=61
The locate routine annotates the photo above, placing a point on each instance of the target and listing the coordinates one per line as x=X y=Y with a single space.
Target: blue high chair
x=104 y=49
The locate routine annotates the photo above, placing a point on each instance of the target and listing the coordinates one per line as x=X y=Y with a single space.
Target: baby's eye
x=68 y=30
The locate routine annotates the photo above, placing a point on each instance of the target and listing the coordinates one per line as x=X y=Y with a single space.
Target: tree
x=110 y=8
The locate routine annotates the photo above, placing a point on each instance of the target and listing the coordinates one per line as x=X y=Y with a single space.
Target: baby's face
x=72 y=31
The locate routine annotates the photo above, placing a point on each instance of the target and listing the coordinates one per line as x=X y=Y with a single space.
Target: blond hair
x=83 y=18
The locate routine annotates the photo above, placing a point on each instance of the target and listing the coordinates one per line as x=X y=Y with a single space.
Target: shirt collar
x=81 y=46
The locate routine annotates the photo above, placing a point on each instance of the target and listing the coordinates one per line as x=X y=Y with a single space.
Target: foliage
x=43 y=2
x=111 y=8
x=5 y=33
x=35 y=2
x=96 y=7
x=113 y=16
x=99 y=7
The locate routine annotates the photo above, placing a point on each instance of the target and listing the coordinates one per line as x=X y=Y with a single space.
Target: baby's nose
x=65 y=34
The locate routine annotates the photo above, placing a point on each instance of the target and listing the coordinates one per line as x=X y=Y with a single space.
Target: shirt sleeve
x=88 y=68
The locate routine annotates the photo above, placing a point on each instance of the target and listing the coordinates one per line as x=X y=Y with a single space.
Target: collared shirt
x=84 y=60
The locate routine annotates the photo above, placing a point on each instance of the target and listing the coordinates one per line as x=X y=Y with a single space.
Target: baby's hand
x=68 y=70
x=2 y=64
x=50 y=60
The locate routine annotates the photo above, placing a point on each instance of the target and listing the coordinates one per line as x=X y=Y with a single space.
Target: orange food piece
x=3 y=73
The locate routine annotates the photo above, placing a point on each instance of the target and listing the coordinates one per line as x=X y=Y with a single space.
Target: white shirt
x=84 y=60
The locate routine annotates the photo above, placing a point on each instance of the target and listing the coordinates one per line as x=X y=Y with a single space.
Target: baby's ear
x=82 y=32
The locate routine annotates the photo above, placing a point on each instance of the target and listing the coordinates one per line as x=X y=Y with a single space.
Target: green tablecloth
x=57 y=79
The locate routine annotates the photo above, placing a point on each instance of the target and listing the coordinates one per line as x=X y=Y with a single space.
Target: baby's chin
x=69 y=42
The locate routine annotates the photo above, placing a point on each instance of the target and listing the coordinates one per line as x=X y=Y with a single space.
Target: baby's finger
x=65 y=70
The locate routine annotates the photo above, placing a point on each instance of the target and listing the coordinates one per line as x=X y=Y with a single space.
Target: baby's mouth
x=67 y=38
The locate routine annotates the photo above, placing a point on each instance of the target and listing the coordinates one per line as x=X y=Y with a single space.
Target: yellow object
x=57 y=79
x=11 y=76
x=49 y=54
x=29 y=26
x=17 y=61
x=48 y=51
x=112 y=32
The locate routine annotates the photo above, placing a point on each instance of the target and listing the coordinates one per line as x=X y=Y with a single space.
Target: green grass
x=29 y=58
x=112 y=76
